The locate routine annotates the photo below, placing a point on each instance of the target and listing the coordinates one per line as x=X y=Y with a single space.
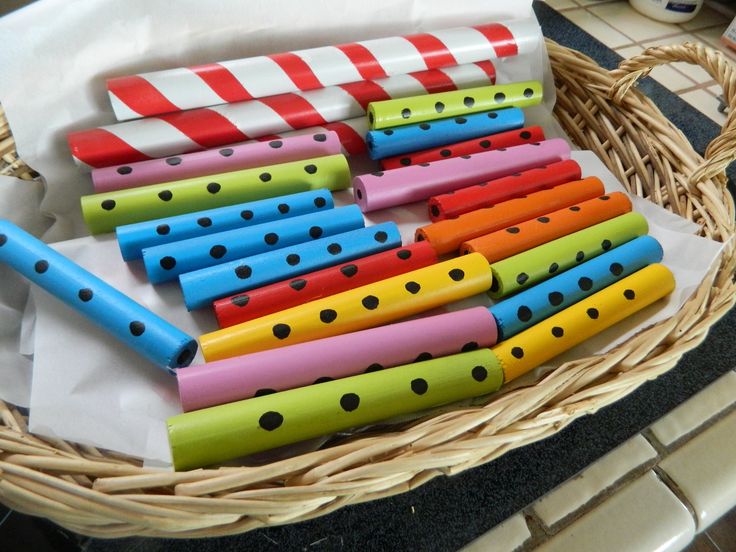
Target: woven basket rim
x=105 y=494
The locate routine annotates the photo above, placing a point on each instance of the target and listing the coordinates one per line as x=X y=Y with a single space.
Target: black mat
x=447 y=513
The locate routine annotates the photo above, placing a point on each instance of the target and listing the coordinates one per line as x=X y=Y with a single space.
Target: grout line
x=668 y=482
x=536 y=528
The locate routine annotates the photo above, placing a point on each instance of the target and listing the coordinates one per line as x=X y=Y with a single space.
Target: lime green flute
x=545 y=261
x=228 y=431
x=104 y=212
x=443 y=105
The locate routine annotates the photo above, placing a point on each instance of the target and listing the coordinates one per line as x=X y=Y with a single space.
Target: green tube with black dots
x=540 y=263
x=229 y=431
x=443 y=105
x=104 y=212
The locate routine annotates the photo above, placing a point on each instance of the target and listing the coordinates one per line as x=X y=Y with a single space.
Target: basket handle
x=722 y=150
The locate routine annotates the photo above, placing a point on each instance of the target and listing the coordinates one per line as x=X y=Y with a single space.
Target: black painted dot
x=485 y=144
x=456 y=274
x=579 y=256
x=163 y=229
x=213 y=187
x=334 y=248
x=243 y=272
x=275 y=144
x=479 y=373
x=465 y=156
x=419 y=386
x=310 y=169
x=554 y=267
x=246 y=215
x=293 y=259
x=421 y=357
x=85 y=294
x=575 y=208
x=555 y=298
x=616 y=269
x=606 y=245
x=226 y=152
x=380 y=236
x=405 y=161
x=585 y=283
x=315 y=232
x=377 y=173
x=469 y=346
x=388 y=132
x=543 y=220
x=218 y=251
x=349 y=402
x=173 y=161
x=283 y=208
x=406 y=113
x=528 y=92
x=445 y=153
x=240 y=300
x=281 y=331
x=629 y=294
x=319 y=137
x=370 y=302
x=298 y=284
x=108 y=204
x=557 y=331
x=439 y=107
x=206 y=222
x=375 y=367
x=424 y=164
x=41 y=266
x=424 y=126
x=525 y=134
x=323 y=379
x=461 y=120
x=492 y=115
x=271 y=238
x=522 y=278
x=265 y=177
x=499 y=97
x=468 y=101
x=593 y=313
x=263 y=392
x=524 y=313
x=604 y=198
x=349 y=270
x=517 y=352
x=167 y=263
x=125 y=170
x=403 y=254
x=412 y=287
x=166 y=195
x=320 y=202
x=513 y=230
x=3 y=239
x=271 y=420
x=327 y=315
x=137 y=328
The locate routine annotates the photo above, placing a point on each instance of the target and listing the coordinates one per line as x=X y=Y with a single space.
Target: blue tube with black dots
x=131 y=323
x=404 y=139
x=517 y=313
x=133 y=238
x=166 y=262
x=202 y=287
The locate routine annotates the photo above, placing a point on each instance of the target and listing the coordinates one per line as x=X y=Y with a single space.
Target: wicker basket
x=107 y=495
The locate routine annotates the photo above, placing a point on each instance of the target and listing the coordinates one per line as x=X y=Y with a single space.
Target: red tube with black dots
x=500 y=140
x=323 y=283
x=490 y=193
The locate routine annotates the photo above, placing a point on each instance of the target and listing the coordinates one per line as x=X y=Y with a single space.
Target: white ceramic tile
x=705 y=103
x=562 y=4
x=621 y=16
x=594 y=26
x=695 y=72
x=707 y=17
x=705 y=470
x=712 y=37
x=593 y=480
x=697 y=410
x=505 y=537
x=642 y=517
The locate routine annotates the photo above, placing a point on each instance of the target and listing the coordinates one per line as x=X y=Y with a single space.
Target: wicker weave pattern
x=107 y=495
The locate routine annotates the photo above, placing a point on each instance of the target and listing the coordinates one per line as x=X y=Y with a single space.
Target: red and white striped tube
x=239 y=80
x=186 y=131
